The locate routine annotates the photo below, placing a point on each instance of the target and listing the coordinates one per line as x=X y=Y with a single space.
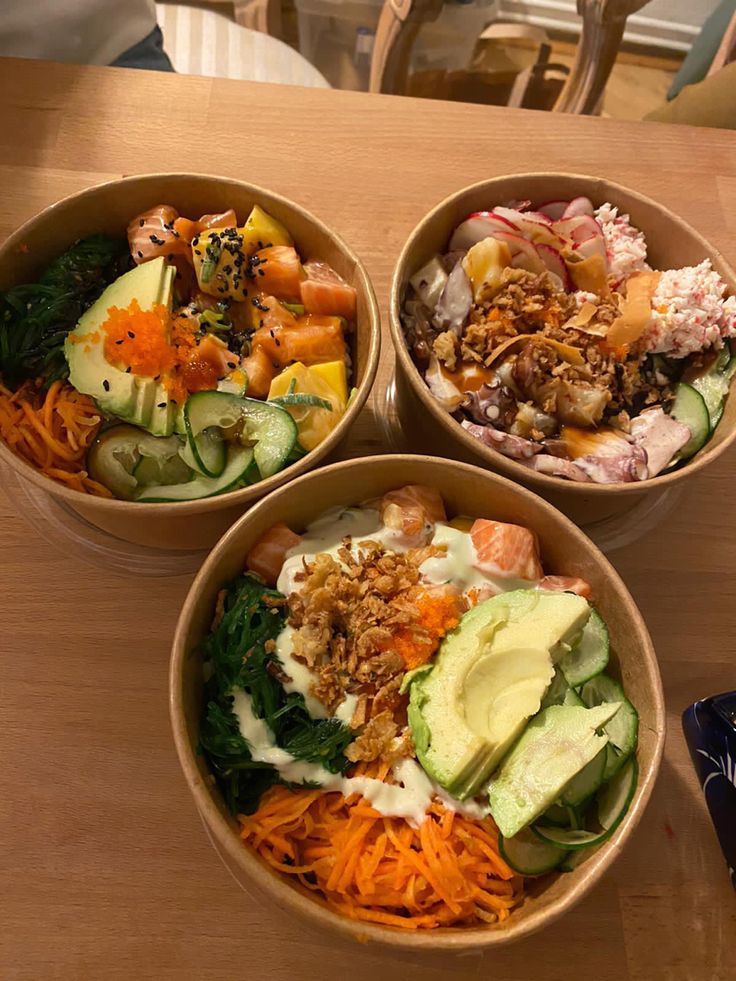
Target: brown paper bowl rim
x=543 y=483
x=314 y=911
x=244 y=495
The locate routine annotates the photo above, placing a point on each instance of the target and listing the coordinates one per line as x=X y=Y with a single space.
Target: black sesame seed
x=131 y=335
x=120 y=341
x=140 y=254
x=261 y=272
x=106 y=384
x=161 y=405
x=141 y=222
x=127 y=370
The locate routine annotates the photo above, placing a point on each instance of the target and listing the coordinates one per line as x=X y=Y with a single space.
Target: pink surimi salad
x=547 y=332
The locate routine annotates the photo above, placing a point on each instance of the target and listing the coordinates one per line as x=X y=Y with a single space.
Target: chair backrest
x=603 y=23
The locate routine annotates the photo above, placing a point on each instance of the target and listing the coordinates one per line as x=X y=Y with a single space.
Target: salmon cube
x=506 y=551
x=567 y=584
x=266 y=558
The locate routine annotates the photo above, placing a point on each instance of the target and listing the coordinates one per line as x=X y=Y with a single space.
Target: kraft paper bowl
x=672 y=243
x=466 y=490
x=108 y=208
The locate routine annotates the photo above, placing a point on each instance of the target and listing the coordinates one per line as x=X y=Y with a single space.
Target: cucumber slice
x=528 y=855
x=623 y=729
x=555 y=694
x=713 y=389
x=238 y=471
x=569 y=839
x=206 y=414
x=117 y=458
x=206 y=453
x=689 y=408
x=615 y=797
x=269 y=426
x=162 y=470
x=590 y=655
x=559 y=817
x=572 y=698
x=275 y=432
x=584 y=784
x=572 y=860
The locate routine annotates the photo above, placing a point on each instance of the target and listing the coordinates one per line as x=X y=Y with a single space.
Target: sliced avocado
x=163 y=414
x=556 y=745
x=120 y=393
x=489 y=677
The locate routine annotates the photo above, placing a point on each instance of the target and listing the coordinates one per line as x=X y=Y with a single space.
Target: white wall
x=672 y=24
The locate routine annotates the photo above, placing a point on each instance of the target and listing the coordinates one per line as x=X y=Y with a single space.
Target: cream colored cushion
x=204 y=42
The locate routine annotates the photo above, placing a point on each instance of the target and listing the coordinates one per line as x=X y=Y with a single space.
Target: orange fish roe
x=150 y=343
x=438 y=614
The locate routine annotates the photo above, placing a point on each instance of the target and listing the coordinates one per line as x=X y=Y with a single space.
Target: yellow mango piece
x=221 y=254
x=221 y=262
x=461 y=523
x=261 y=230
x=314 y=423
x=336 y=375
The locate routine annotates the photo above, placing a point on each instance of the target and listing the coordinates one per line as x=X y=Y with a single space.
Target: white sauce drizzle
x=414 y=791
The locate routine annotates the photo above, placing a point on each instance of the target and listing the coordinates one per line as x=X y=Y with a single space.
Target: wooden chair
x=602 y=30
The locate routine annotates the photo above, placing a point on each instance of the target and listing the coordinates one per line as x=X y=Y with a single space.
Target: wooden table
x=105 y=870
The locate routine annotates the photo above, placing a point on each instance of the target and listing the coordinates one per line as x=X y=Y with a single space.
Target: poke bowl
x=367 y=669
x=174 y=346
x=569 y=333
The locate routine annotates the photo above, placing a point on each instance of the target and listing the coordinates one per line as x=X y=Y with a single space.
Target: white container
x=335 y=36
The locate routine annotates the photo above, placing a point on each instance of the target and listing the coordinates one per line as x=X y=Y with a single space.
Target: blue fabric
x=695 y=66
x=148 y=53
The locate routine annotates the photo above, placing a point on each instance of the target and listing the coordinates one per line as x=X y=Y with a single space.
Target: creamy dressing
x=408 y=799
x=325 y=536
x=414 y=791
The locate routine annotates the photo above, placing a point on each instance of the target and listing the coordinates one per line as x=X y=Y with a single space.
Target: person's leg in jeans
x=148 y=53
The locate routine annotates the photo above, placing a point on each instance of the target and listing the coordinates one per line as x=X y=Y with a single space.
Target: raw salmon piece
x=152 y=234
x=566 y=584
x=312 y=340
x=507 y=551
x=225 y=219
x=412 y=510
x=266 y=558
x=325 y=291
x=278 y=270
x=260 y=372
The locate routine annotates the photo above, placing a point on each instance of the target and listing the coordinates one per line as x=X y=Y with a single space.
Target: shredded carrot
x=52 y=431
x=446 y=872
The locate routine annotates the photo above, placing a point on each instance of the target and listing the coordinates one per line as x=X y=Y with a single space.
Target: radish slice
x=477 y=227
x=578 y=228
x=536 y=232
x=555 y=264
x=538 y=216
x=515 y=217
x=595 y=245
x=523 y=253
x=553 y=209
x=579 y=206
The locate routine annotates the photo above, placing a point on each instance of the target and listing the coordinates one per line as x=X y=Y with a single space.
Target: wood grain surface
x=105 y=870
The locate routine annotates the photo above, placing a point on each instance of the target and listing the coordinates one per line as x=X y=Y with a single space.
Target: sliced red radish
x=577 y=228
x=553 y=209
x=555 y=264
x=595 y=245
x=477 y=227
x=579 y=206
x=536 y=232
x=538 y=216
x=523 y=253
x=510 y=214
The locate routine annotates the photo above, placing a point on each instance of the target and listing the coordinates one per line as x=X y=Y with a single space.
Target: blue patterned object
x=710 y=730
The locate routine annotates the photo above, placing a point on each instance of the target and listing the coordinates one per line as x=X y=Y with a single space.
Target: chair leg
x=259 y=15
